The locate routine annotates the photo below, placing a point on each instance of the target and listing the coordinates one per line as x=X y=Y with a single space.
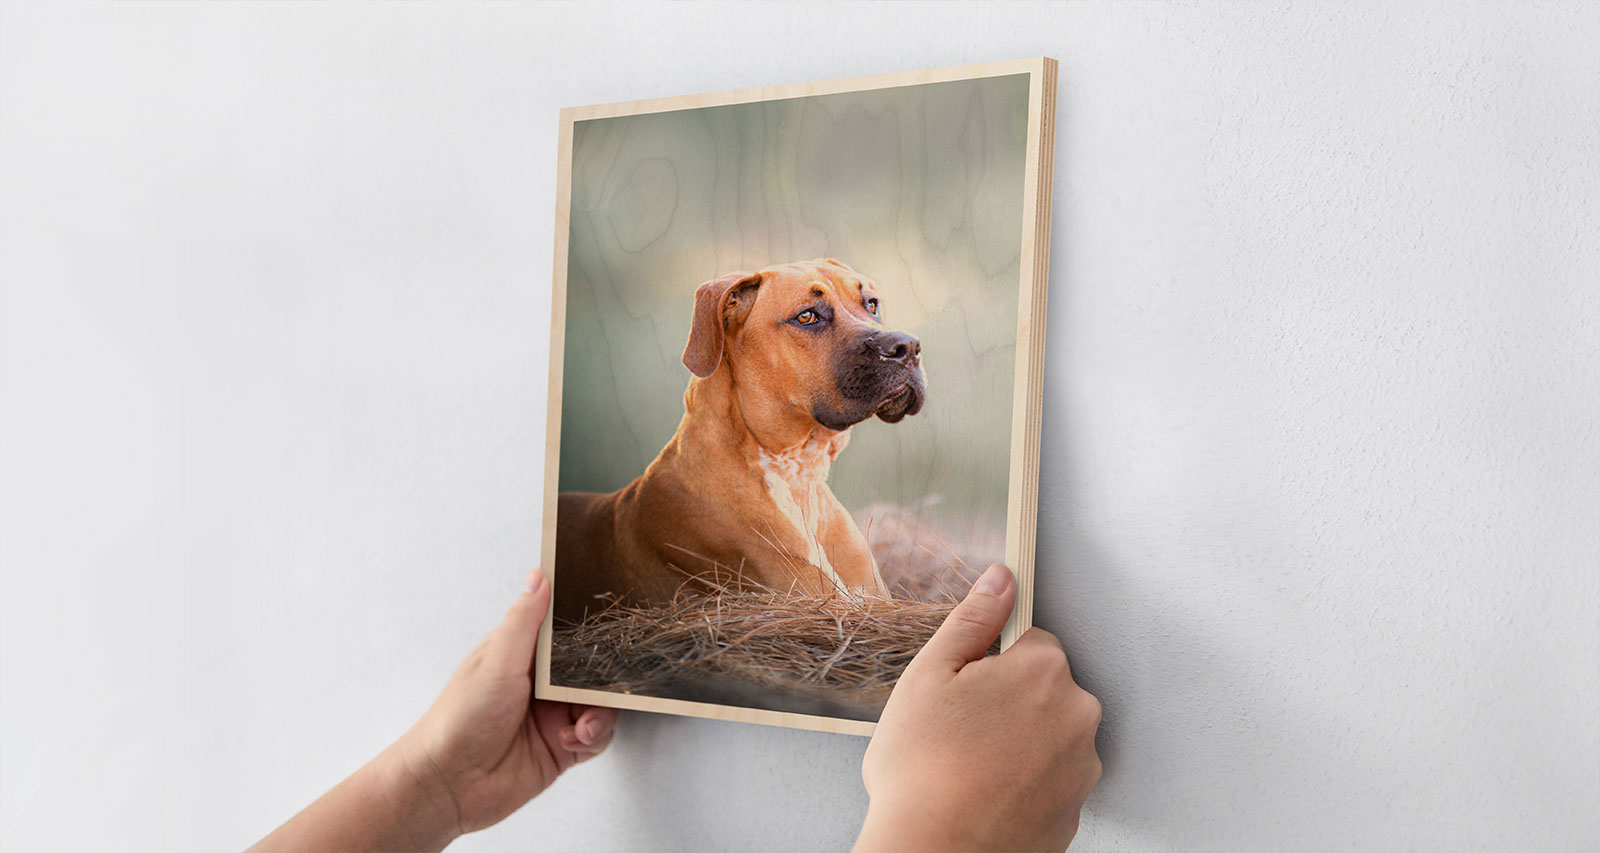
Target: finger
x=1037 y=637
x=589 y=734
x=575 y=739
x=554 y=729
x=594 y=724
x=590 y=750
x=511 y=645
x=974 y=624
x=1038 y=641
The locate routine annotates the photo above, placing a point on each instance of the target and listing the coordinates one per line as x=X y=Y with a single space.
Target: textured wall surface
x=1321 y=476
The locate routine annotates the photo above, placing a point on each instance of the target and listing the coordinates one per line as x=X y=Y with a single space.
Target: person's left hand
x=481 y=751
x=483 y=743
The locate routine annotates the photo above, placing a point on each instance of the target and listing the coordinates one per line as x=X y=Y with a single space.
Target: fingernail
x=993 y=581
x=536 y=579
x=586 y=731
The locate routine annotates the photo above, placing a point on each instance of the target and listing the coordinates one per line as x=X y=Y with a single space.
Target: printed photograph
x=786 y=389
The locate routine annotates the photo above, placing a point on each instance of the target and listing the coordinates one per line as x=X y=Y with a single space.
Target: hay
x=722 y=641
x=782 y=651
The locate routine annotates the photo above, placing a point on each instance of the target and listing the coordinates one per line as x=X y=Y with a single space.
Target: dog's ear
x=714 y=301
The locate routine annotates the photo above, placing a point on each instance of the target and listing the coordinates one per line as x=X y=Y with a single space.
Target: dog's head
x=806 y=340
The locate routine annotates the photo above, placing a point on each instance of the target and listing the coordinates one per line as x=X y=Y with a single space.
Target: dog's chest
x=796 y=480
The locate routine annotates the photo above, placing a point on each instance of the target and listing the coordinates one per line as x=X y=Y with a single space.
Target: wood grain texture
x=1018 y=442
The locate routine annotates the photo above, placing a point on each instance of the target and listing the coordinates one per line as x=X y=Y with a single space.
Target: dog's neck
x=795 y=475
x=804 y=466
x=796 y=480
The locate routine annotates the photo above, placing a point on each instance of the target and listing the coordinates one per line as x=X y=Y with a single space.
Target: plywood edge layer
x=705 y=710
x=553 y=391
x=1036 y=356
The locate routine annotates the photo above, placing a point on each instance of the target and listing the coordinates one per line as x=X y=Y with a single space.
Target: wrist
x=390 y=803
x=423 y=805
x=890 y=828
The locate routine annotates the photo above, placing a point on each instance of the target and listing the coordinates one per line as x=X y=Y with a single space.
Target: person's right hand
x=981 y=753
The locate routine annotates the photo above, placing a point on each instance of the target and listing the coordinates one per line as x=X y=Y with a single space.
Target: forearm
x=386 y=805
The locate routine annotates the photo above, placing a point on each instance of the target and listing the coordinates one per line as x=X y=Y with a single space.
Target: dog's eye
x=872 y=305
x=806 y=318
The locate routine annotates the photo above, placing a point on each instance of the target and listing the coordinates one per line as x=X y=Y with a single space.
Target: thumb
x=973 y=625
x=513 y=642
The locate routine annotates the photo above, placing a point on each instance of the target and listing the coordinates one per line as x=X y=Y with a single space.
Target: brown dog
x=785 y=361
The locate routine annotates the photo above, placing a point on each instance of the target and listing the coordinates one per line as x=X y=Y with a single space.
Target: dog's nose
x=896 y=346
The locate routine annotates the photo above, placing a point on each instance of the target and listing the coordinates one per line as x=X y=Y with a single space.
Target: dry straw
x=724 y=640
x=720 y=640
x=851 y=649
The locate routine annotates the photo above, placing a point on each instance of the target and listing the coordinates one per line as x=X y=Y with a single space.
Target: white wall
x=1321 y=507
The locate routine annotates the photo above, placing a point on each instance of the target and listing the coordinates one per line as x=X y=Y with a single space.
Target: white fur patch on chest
x=796 y=480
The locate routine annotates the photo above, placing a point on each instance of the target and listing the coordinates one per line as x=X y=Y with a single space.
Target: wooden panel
x=1019 y=489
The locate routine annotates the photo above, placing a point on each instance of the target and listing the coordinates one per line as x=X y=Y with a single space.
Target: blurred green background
x=920 y=188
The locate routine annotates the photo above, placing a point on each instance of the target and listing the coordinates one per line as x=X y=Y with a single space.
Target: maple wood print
x=794 y=386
